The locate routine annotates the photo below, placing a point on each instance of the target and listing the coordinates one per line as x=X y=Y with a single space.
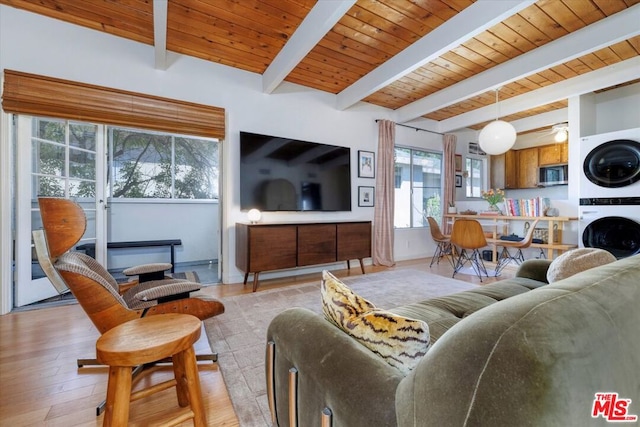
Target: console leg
x=361 y=265
x=255 y=281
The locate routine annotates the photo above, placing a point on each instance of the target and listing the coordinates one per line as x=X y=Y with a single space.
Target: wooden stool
x=147 y=340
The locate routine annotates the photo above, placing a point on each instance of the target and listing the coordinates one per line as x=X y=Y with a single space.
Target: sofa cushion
x=576 y=261
x=399 y=340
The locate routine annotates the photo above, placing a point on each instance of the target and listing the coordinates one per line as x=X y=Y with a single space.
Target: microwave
x=553 y=175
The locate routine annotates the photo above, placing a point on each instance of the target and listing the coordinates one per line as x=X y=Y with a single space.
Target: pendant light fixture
x=498 y=136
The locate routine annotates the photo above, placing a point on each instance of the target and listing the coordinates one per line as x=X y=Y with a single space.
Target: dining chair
x=505 y=257
x=443 y=242
x=467 y=236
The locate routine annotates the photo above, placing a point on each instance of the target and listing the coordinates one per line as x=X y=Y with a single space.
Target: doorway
x=56 y=158
x=88 y=163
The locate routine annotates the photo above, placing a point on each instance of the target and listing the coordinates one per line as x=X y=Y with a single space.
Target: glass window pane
x=141 y=164
x=402 y=195
x=150 y=165
x=196 y=169
x=81 y=189
x=48 y=159
x=49 y=130
x=49 y=186
x=418 y=182
x=475 y=167
x=82 y=135
x=82 y=164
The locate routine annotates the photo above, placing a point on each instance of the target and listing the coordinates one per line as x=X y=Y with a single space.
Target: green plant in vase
x=493 y=197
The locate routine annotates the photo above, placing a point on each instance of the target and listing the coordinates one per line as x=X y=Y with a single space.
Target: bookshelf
x=500 y=225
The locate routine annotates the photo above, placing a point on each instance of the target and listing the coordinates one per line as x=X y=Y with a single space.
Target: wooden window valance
x=51 y=97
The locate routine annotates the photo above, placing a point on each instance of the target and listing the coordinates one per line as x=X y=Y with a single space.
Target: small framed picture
x=458 y=180
x=458 y=163
x=366 y=164
x=366 y=196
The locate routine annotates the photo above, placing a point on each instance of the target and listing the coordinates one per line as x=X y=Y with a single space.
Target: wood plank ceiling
x=368 y=52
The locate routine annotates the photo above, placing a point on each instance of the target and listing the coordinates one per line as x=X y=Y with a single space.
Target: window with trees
x=142 y=164
x=418 y=192
x=145 y=164
x=64 y=158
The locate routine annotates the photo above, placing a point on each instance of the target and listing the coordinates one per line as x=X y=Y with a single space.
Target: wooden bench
x=90 y=248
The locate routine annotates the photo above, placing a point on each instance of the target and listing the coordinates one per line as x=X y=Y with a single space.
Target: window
x=64 y=154
x=475 y=167
x=418 y=182
x=147 y=164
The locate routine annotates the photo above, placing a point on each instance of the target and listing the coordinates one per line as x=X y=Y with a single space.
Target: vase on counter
x=494 y=208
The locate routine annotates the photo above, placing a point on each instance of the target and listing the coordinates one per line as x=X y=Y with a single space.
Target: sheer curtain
x=449 y=160
x=383 y=210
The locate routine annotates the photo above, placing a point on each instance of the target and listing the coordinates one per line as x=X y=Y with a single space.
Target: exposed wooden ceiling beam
x=322 y=17
x=541 y=120
x=160 y=33
x=618 y=27
x=471 y=21
x=604 y=77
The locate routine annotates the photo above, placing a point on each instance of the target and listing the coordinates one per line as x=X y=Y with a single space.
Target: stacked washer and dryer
x=610 y=192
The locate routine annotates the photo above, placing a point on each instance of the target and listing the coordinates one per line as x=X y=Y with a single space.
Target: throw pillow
x=575 y=261
x=400 y=341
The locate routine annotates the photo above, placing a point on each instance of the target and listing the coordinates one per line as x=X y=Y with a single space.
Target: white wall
x=195 y=223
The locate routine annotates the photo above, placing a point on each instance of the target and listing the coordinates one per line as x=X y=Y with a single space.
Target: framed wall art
x=366 y=196
x=366 y=164
x=458 y=163
x=458 y=180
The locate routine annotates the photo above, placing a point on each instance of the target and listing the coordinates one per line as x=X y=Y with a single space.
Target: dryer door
x=618 y=235
x=613 y=164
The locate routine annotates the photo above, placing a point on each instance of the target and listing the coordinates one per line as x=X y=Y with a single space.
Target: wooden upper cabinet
x=528 y=168
x=504 y=170
x=498 y=170
x=519 y=168
x=511 y=169
x=553 y=154
x=564 y=153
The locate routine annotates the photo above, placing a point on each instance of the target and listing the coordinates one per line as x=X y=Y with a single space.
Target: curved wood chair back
x=468 y=234
x=436 y=233
x=64 y=224
x=528 y=238
x=44 y=259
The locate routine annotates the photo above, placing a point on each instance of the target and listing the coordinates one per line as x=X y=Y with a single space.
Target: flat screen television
x=284 y=174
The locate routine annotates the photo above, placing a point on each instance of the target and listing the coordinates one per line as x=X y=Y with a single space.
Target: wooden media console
x=265 y=247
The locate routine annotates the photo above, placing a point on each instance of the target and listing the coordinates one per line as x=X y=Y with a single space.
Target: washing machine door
x=618 y=235
x=613 y=164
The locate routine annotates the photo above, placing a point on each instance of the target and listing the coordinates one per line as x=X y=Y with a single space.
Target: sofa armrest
x=334 y=371
x=535 y=269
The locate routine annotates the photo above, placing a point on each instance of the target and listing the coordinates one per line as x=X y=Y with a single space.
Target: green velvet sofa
x=518 y=352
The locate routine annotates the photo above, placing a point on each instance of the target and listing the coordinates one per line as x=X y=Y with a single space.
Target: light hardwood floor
x=40 y=384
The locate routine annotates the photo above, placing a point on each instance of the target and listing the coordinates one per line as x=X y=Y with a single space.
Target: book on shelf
x=524 y=207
